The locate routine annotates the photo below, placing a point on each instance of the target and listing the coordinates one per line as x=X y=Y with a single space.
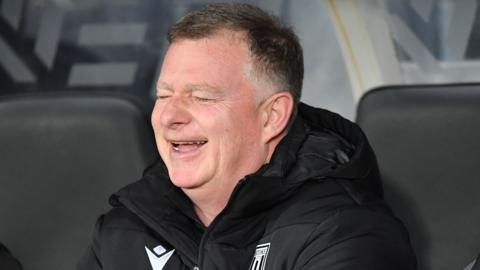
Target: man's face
x=207 y=123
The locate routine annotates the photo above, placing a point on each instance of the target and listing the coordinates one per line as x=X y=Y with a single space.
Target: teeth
x=177 y=144
x=199 y=142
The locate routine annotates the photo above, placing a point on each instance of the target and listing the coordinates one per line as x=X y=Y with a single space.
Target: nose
x=172 y=113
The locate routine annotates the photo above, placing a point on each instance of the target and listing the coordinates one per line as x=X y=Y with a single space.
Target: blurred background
x=65 y=45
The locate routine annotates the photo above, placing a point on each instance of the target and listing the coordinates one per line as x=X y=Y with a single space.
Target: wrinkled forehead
x=220 y=45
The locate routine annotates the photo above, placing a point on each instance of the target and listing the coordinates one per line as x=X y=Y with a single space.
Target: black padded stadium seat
x=61 y=156
x=427 y=140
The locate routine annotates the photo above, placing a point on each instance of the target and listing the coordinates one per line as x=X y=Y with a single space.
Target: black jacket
x=7 y=261
x=316 y=205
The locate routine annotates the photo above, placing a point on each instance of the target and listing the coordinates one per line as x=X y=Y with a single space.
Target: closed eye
x=162 y=96
x=203 y=99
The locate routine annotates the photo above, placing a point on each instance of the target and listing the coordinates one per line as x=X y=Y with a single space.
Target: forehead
x=220 y=60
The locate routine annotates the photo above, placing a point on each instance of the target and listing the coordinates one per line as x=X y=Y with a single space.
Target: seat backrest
x=61 y=156
x=427 y=141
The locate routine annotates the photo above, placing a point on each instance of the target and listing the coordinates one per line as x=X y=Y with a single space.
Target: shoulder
x=121 y=238
x=367 y=238
x=118 y=226
x=316 y=202
x=343 y=211
x=327 y=225
x=120 y=218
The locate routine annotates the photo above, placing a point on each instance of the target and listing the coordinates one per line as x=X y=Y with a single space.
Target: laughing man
x=250 y=177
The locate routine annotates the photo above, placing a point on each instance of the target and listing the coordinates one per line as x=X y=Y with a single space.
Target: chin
x=184 y=181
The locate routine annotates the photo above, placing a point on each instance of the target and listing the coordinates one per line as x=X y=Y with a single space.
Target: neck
x=207 y=216
x=207 y=204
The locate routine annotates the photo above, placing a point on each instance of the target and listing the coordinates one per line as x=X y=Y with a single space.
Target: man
x=250 y=178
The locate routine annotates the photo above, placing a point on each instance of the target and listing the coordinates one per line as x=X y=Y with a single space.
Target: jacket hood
x=320 y=145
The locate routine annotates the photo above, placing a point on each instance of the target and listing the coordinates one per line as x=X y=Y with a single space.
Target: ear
x=277 y=110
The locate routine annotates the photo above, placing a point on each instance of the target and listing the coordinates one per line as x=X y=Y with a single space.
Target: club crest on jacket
x=260 y=257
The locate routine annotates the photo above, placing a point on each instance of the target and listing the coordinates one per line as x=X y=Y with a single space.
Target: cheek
x=155 y=122
x=242 y=130
x=154 y=119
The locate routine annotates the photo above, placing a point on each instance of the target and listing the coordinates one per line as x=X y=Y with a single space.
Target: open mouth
x=187 y=146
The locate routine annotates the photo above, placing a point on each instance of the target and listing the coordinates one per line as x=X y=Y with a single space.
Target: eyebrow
x=189 y=87
x=202 y=87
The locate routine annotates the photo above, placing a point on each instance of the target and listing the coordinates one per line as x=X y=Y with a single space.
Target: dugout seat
x=427 y=141
x=61 y=155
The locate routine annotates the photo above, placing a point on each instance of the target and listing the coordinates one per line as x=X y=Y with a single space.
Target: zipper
x=217 y=219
